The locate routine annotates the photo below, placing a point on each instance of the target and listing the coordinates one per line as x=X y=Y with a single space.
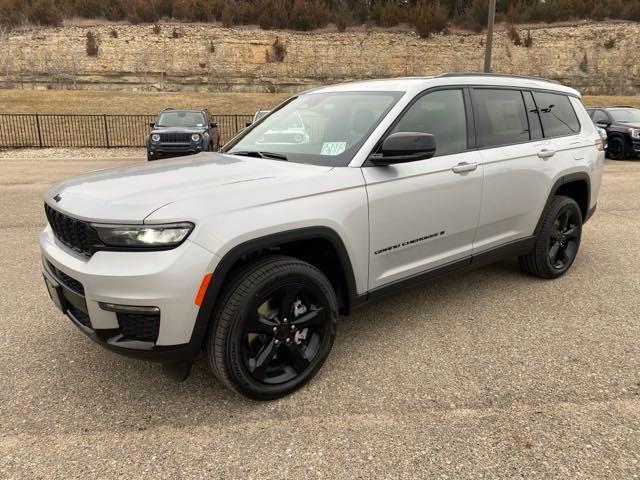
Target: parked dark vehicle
x=181 y=132
x=622 y=125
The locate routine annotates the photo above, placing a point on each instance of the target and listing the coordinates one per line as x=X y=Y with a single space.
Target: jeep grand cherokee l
x=250 y=254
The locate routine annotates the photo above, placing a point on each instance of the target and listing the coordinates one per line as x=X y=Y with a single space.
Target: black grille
x=81 y=316
x=175 y=137
x=69 y=281
x=139 y=327
x=75 y=234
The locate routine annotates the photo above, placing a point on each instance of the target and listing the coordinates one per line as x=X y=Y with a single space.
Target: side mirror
x=248 y=124
x=402 y=147
x=152 y=124
x=213 y=124
x=603 y=124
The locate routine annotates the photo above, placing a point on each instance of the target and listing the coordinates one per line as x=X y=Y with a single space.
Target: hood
x=130 y=194
x=178 y=129
x=628 y=125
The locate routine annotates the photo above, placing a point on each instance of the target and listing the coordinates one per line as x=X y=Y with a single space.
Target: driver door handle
x=546 y=152
x=463 y=167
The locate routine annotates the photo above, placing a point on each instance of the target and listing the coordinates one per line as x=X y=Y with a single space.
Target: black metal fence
x=24 y=130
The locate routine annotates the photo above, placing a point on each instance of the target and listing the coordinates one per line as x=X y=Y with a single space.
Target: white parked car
x=250 y=254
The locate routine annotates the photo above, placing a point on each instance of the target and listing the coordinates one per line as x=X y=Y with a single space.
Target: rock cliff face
x=597 y=58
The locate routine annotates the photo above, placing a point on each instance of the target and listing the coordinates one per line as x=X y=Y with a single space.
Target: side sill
x=512 y=249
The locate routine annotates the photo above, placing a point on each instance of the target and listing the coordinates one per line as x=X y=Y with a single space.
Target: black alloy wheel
x=564 y=239
x=616 y=149
x=557 y=243
x=284 y=332
x=274 y=327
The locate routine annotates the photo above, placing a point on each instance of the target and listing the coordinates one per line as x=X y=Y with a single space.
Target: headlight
x=155 y=137
x=635 y=132
x=195 y=137
x=143 y=236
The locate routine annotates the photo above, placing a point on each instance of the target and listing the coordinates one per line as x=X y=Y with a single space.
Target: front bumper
x=159 y=150
x=95 y=292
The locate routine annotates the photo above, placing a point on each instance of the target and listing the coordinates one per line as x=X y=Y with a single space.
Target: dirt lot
x=491 y=374
x=115 y=102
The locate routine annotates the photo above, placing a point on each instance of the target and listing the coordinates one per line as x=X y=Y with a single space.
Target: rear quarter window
x=556 y=114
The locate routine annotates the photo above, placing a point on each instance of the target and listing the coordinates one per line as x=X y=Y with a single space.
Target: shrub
x=340 y=23
x=93 y=44
x=528 y=40
x=157 y=29
x=177 y=32
x=143 y=11
x=584 y=64
x=113 y=33
x=279 y=50
x=12 y=12
x=429 y=18
x=44 y=12
x=227 y=17
x=212 y=47
x=514 y=36
x=610 y=43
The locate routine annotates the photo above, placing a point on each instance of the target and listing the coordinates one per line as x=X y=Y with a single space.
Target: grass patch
x=95 y=101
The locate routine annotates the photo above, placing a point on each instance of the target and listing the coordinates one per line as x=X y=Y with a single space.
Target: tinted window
x=441 y=114
x=600 y=117
x=500 y=117
x=557 y=114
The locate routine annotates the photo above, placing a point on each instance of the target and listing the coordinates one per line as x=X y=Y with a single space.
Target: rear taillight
x=600 y=145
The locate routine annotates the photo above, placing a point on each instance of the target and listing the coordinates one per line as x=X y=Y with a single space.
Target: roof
x=417 y=84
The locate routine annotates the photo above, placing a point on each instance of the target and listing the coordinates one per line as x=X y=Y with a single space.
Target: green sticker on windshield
x=333 y=148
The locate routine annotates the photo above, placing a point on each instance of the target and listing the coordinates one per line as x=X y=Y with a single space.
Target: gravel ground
x=491 y=374
x=48 y=154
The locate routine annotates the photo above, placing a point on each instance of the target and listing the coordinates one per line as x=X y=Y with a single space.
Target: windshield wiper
x=255 y=153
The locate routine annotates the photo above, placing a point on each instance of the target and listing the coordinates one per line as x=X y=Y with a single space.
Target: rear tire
x=557 y=243
x=273 y=329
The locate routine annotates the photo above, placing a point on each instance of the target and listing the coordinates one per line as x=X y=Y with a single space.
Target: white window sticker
x=333 y=148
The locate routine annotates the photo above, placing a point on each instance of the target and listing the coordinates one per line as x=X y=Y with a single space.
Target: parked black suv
x=623 y=130
x=181 y=132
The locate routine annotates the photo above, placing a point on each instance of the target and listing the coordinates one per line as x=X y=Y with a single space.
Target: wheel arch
x=320 y=246
x=574 y=185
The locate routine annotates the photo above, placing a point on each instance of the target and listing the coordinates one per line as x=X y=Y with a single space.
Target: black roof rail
x=622 y=106
x=501 y=75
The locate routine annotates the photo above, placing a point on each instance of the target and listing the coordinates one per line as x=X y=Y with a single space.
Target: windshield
x=180 y=119
x=319 y=128
x=626 y=115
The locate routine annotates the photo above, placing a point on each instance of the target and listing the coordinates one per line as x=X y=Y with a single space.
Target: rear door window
x=500 y=117
x=557 y=114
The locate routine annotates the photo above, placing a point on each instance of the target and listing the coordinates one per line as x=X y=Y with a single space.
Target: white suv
x=250 y=254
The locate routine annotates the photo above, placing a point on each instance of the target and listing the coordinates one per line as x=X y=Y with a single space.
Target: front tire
x=617 y=148
x=557 y=243
x=273 y=328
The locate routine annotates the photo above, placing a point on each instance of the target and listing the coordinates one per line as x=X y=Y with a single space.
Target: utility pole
x=489 y=44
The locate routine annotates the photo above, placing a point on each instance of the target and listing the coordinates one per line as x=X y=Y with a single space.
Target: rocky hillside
x=597 y=58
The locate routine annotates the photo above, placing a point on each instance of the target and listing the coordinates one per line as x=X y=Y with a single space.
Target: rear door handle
x=463 y=167
x=546 y=152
